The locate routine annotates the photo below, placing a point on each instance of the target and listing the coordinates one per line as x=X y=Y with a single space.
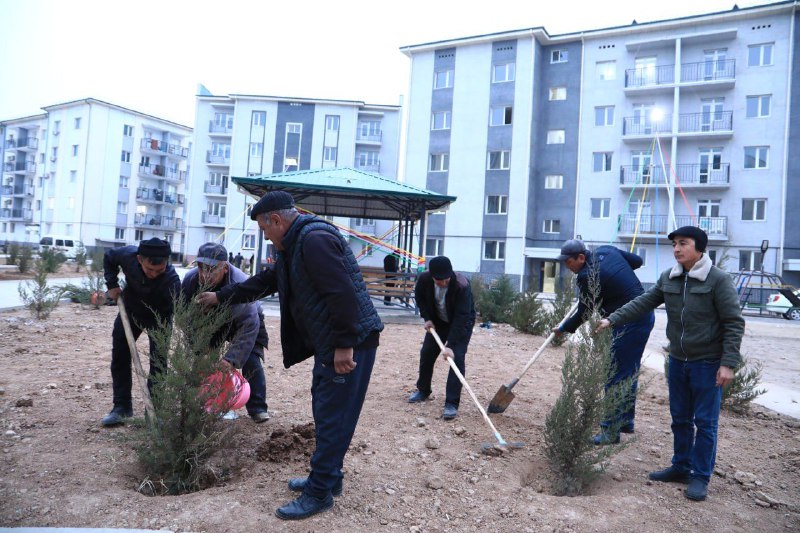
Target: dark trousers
x=627 y=346
x=253 y=372
x=427 y=359
x=121 y=375
x=336 y=401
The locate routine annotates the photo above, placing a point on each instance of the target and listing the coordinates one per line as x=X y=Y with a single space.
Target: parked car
x=779 y=303
x=66 y=245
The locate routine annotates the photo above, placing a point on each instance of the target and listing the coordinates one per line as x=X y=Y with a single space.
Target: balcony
x=369 y=138
x=651 y=77
x=17 y=190
x=20 y=167
x=215 y=189
x=28 y=143
x=162 y=172
x=718 y=74
x=718 y=124
x=166 y=223
x=369 y=167
x=218 y=159
x=212 y=220
x=151 y=195
x=698 y=176
x=643 y=127
x=25 y=215
x=650 y=227
x=219 y=129
x=154 y=146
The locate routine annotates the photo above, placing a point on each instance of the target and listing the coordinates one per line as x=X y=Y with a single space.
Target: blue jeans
x=253 y=372
x=336 y=401
x=627 y=346
x=694 y=403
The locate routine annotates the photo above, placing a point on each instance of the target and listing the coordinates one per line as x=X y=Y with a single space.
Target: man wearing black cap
x=618 y=285
x=445 y=303
x=246 y=334
x=150 y=285
x=326 y=313
x=705 y=328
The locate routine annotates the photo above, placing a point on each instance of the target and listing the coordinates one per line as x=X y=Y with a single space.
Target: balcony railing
x=17 y=214
x=162 y=172
x=217 y=159
x=211 y=188
x=649 y=76
x=687 y=174
x=721 y=69
x=27 y=142
x=213 y=127
x=27 y=167
x=644 y=125
x=156 y=195
x=160 y=221
x=659 y=224
x=208 y=218
x=369 y=167
x=370 y=137
x=154 y=145
x=705 y=122
x=17 y=190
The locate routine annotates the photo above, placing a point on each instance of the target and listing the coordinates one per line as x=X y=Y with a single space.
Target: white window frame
x=256 y=149
x=122 y=208
x=439 y=162
x=259 y=118
x=127 y=130
x=248 y=241
x=119 y=234
x=760 y=61
x=641 y=251
x=73 y=176
x=756 y=203
x=508 y=70
x=499 y=114
x=502 y=158
x=446 y=119
x=606 y=161
x=551 y=226
x=603 y=207
x=761 y=101
x=556 y=136
x=557 y=93
x=77 y=123
x=607 y=115
x=501 y=204
x=606 y=70
x=332 y=122
x=559 y=56
x=554 y=181
x=433 y=247
x=757 y=157
x=753 y=260
x=329 y=154
x=494 y=250
x=124 y=182
x=126 y=156
x=447 y=79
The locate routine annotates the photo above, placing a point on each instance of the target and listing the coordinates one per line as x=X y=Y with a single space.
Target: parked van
x=66 y=245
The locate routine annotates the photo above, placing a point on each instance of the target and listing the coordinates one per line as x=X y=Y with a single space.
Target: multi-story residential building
x=101 y=173
x=247 y=135
x=612 y=135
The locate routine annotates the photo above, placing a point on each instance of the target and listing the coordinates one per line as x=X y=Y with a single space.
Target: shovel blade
x=501 y=400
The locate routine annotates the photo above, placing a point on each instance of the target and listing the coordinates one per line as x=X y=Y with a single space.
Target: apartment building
x=612 y=135
x=251 y=135
x=94 y=171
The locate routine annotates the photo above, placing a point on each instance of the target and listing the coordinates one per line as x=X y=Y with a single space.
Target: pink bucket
x=232 y=389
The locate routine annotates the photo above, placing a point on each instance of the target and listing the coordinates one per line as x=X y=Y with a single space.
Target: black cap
x=699 y=236
x=571 y=248
x=154 y=247
x=212 y=254
x=272 y=201
x=440 y=267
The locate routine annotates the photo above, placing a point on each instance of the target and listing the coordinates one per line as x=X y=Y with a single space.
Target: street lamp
x=764 y=248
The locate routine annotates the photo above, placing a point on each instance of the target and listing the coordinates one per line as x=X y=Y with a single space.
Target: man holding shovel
x=150 y=285
x=612 y=269
x=445 y=303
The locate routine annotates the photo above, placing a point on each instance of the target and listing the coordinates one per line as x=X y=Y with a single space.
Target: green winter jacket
x=703 y=316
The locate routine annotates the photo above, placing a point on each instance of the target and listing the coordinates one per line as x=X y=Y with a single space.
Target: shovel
x=149 y=413
x=504 y=396
x=501 y=442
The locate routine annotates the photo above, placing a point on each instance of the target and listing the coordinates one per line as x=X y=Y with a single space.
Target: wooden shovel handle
x=140 y=376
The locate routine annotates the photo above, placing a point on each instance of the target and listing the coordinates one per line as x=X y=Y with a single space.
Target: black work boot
x=697 y=489
x=303 y=507
x=297 y=484
x=117 y=416
x=670 y=475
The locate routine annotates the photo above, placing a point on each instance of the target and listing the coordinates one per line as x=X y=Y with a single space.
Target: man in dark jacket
x=151 y=283
x=246 y=333
x=327 y=313
x=390 y=266
x=445 y=303
x=612 y=269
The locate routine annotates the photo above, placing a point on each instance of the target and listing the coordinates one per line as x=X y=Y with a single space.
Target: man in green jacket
x=705 y=328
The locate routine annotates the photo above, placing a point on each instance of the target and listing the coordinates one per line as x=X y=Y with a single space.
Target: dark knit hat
x=699 y=236
x=212 y=254
x=272 y=201
x=154 y=247
x=440 y=267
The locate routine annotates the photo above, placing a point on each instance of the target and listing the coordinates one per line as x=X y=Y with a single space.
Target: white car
x=778 y=303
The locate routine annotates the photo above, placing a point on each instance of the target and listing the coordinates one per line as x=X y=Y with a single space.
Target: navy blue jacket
x=458 y=303
x=142 y=296
x=618 y=284
x=246 y=329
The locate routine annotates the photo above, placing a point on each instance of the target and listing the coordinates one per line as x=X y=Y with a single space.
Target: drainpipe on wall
x=785 y=177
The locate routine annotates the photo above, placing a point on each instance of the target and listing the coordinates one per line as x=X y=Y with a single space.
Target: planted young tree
x=583 y=404
x=24 y=259
x=177 y=446
x=80 y=258
x=496 y=301
x=13 y=253
x=37 y=295
x=528 y=315
x=51 y=259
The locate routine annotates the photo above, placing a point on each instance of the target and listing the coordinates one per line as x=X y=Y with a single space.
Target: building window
x=126 y=156
x=56 y=127
x=558 y=93
x=127 y=130
x=760 y=55
x=499 y=160
x=550 y=225
x=756 y=157
x=758 y=106
x=504 y=72
x=601 y=207
x=291 y=147
x=259 y=119
x=123 y=182
x=750 y=260
x=248 y=242
x=440 y=120
x=54 y=153
x=74 y=150
x=604 y=115
x=601 y=161
x=256 y=149
x=332 y=122
x=368 y=159
x=754 y=209
x=77 y=123
x=71 y=202
x=494 y=250
x=559 y=56
x=433 y=247
x=68 y=232
x=555 y=137
x=500 y=116
x=641 y=251
x=122 y=208
x=606 y=70
x=443 y=79
x=440 y=162
x=119 y=234
x=369 y=128
x=329 y=154
x=138 y=235
x=554 y=181
x=497 y=205
x=364 y=222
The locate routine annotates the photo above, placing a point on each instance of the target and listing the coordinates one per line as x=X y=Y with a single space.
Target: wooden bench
x=396 y=285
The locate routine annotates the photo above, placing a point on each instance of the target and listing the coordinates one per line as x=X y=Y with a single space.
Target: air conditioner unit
x=12 y=158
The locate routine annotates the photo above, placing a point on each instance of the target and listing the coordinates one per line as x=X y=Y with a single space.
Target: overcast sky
x=150 y=55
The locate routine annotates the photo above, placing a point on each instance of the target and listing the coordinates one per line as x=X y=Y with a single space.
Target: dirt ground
x=407 y=469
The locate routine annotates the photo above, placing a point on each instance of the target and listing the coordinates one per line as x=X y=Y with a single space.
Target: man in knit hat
x=150 y=285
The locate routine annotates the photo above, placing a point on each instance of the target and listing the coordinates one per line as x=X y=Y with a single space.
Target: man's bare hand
x=343 y=360
x=207 y=299
x=603 y=324
x=557 y=332
x=448 y=353
x=113 y=293
x=724 y=375
x=225 y=366
x=428 y=325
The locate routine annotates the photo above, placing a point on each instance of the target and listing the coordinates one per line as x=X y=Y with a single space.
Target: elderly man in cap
x=705 y=328
x=613 y=270
x=246 y=334
x=151 y=283
x=326 y=313
x=445 y=303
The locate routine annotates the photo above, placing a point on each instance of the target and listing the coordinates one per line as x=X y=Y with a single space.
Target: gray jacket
x=704 y=320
